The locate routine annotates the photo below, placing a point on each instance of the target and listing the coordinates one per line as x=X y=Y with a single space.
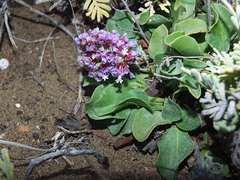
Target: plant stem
x=136 y=21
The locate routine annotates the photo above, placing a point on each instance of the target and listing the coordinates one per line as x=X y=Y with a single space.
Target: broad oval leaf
x=171 y=111
x=188 y=28
x=97 y=94
x=106 y=103
x=192 y=85
x=193 y=63
x=174 y=147
x=220 y=33
x=188 y=6
x=119 y=21
x=108 y=99
x=170 y=38
x=157 y=42
x=157 y=20
x=144 y=122
x=143 y=18
x=115 y=125
x=127 y=128
x=134 y=97
x=190 y=120
x=187 y=46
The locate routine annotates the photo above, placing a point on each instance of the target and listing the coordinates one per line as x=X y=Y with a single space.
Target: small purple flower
x=103 y=53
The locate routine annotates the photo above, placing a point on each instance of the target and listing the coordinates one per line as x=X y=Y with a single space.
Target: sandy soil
x=35 y=120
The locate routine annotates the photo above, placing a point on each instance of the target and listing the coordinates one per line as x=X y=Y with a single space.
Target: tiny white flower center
x=105 y=77
x=119 y=79
x=125 y=51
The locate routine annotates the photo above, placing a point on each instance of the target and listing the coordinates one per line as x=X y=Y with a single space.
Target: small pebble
x=44 y=119
x=19 y=112
x=35 y=136
x=18 y=105
x=4 y=64
x=52 y=102
x=27 y=118
x=37 y=127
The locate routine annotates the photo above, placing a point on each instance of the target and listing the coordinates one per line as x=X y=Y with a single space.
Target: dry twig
x=6 y=13
x=58 y=73
x=44 y=47
x=136 y=21
x=37 y=40
x=79 y=99
x=36 y=79
x=56 y=23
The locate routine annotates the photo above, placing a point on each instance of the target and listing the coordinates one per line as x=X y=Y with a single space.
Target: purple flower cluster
x=103 y=53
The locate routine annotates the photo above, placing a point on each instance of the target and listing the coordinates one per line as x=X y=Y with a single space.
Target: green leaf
x=115 y=115
x=156 y=103
x=193 y=63
x=172 y=37
x=189 y=8
x=115 y=125
x=90 y=81
x=174 y=147
x=192 y=85
x=190 y=119
x=171 y=111
x=159 y=58
x=156 y=20
x=220 y=33
x=119 y=21
x=187 y=26
x=204 y=16
x=157 y=44
x=97 y=94
x=143 y=18
x=6 y=166
x=186 y=45
x=127 y=128
x=173 y=69
x=134 y=97
x=144 y=122
x=106 y=103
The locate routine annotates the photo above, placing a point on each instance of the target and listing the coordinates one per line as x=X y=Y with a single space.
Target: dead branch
x=64 y=151
x=136 y=21
x=24 y=146
x=6 y=13
x=56 y=23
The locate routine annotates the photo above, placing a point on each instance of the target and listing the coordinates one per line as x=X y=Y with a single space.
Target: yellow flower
x=163 y=5
x=149 y=7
